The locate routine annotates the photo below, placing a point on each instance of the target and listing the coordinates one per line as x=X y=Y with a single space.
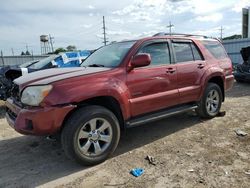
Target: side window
x=215 y=48
x=159 y=53
x=183 y=51
x=196 y=53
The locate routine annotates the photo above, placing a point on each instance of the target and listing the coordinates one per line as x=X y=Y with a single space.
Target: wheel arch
x=219 y=81
x=108 y=102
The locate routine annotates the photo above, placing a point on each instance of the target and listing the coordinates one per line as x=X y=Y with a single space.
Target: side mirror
x=140 y=60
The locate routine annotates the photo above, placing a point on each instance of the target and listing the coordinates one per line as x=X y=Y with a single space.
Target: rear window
x=215 y=48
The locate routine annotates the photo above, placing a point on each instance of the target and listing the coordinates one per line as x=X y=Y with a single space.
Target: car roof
x=174 y=36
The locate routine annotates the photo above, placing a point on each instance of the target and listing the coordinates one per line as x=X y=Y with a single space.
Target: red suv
x=121 y=85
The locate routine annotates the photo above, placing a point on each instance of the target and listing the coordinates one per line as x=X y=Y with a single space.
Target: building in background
x=233 y=48
x=246 y=22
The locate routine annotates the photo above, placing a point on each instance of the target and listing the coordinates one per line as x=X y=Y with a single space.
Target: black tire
x=77 y=122
x=203 y=105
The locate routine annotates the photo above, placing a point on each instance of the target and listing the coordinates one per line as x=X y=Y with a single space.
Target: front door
x=153 y=87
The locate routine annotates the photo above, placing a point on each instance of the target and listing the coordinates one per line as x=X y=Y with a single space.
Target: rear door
x=153 y=87
x=190 y=66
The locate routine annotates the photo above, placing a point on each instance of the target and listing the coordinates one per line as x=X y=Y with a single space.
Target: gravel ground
x=189 y=152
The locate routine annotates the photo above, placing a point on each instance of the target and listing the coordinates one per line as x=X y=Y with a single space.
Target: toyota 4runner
x=121 y=85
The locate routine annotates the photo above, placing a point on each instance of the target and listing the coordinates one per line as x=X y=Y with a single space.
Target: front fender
x=76 y=92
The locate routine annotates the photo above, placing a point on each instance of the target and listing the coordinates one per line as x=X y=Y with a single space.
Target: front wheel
x=91 y=135
x=210 y=104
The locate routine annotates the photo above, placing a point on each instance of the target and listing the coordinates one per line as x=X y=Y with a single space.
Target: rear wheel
x=91 y=135
x=210 y=104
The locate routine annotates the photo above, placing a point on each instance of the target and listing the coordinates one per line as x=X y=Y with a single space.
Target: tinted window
x=215 y=48
x=196 y=53
x=183 y=51
x=159 y=53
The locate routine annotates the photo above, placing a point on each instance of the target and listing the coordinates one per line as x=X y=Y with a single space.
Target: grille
x=11 y=114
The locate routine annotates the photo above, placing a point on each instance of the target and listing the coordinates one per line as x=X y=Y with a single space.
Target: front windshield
x=108 y=56
x=27 y=64
x=43 y=62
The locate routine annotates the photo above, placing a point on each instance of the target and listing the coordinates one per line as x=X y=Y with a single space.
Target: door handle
x=200 y=66
x=170 y=70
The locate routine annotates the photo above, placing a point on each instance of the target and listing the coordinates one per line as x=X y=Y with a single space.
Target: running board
x=159 y=115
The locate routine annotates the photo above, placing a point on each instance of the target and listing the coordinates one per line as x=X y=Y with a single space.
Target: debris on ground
x=221 y=114
x=226 y=172
x=201 y=180
x=137 y=172
x=151 y=160
x=114 y=185
x=190 y=154
x=247 y=172
x=240 y=132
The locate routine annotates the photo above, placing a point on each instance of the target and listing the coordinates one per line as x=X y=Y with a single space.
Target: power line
x=79 y=31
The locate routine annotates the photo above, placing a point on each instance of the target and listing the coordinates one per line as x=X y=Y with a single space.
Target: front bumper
x=36 y=120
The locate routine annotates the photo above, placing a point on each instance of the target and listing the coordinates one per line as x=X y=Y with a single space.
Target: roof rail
x=179 y=34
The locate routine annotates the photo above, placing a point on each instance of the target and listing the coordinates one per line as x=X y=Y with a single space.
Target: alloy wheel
x=94 y=137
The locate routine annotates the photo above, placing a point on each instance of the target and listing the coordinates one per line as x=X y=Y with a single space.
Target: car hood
x=52 y=75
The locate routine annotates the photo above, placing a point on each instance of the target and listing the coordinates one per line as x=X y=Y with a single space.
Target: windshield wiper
x=96 y=65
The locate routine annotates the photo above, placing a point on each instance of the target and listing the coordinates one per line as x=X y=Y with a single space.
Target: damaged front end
x=6 y=82
x=242 y=71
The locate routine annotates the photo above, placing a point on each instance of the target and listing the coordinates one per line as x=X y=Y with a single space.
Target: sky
x=79 y=22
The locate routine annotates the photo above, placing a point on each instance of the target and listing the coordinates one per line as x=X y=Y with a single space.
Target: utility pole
x=221 y=32
x=51 y=40
x=2 y=57
x=170 y=27
x=27 y=47
x=104 y=31
x=12 y=51
x=32 y=54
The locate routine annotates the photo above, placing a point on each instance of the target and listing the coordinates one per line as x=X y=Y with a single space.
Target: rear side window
x=183 y=51
x=159 y=53
x=215 y=48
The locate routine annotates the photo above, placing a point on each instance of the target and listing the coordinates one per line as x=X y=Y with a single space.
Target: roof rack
x=179 y=34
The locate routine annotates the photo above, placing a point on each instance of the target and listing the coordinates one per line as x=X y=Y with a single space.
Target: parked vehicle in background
x=242 y=71
x=62 y=60
x=6 y=84
x=121 y=85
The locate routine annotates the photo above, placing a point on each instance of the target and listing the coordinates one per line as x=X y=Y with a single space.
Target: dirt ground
x=189 y=152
